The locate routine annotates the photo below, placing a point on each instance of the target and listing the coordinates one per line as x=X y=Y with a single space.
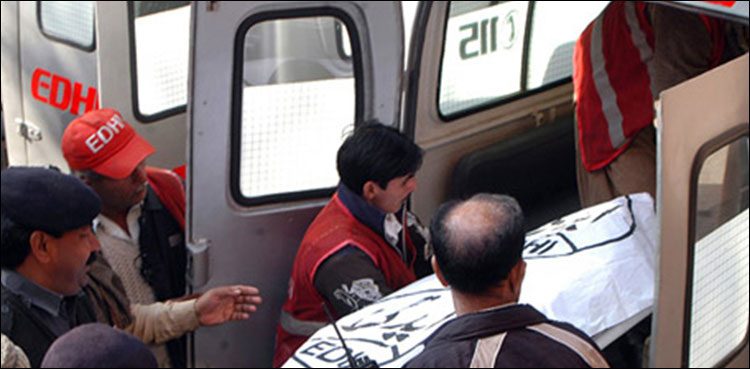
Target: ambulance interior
x=515 y=140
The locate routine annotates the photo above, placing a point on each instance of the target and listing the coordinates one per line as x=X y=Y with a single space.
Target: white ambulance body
x=255 y=98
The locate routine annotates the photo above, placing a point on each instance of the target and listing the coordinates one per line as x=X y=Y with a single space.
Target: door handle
x=198 y=271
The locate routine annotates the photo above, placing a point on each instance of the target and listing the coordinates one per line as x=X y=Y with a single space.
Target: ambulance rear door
x=701 y=313
x=275 y=88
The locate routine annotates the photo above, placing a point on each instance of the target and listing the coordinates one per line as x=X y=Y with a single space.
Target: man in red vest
x=140 y=228
x=622 y=61
x=363 y=244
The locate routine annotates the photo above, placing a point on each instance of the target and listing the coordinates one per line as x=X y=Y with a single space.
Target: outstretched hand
x=222 y=304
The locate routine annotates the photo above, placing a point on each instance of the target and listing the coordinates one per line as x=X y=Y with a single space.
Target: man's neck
x=34 y=275
x=468 y=303
x=366 y=213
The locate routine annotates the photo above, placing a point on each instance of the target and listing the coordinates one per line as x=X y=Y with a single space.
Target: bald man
x=477 y=252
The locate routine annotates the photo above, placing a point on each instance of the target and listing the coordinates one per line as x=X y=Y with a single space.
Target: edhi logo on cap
x=105 y=134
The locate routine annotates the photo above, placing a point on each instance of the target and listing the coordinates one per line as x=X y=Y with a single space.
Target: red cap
x=102 y=141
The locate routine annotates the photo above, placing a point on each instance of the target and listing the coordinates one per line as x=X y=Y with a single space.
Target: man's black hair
x=15 y=243
x=377 y=153
x=476 y=255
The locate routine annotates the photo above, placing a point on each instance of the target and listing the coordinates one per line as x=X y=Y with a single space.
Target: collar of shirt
x=498 y=307
x=489 y=321
x=112 y=229
x=32 y=293
x=385 y=224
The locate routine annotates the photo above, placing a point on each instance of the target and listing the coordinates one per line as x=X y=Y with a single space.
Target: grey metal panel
x=74 y=65
x=689 y=115
x=11 y=81
x=257 y=245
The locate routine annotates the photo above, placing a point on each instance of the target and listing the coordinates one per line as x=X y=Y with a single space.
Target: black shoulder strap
x=6 y=312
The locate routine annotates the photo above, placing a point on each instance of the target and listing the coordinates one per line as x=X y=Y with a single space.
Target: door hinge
x=28 y=130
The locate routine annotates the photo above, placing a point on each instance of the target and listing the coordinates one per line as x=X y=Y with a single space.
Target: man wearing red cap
x=141 y=224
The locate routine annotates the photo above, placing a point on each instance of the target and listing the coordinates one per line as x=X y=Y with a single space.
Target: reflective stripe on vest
x=486 y=351
x=607 y=94
x=577 y=344
x=613 y=78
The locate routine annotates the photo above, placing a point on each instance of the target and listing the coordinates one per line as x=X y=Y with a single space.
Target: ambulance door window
x=160 y=38
x=482 y=54
x=69 y=22
x=717 y=318
x=498 y=50
x=555 y=27
x=298 y=102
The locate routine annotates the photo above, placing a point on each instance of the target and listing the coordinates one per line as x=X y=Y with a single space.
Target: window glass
x=719 y=306
x=482 y=54
x=554 y=31
x=71 y=22
x=162 y=39
x=298 y=84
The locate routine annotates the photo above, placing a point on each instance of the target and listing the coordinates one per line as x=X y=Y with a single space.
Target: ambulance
x=249 y=101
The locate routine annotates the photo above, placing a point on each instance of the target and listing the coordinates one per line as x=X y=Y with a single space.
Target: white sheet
x=593 y=269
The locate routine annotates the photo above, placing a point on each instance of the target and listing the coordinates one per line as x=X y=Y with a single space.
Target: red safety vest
x=333 y=229
x=614 y=95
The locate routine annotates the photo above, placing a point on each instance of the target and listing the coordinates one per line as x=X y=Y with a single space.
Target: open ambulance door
x=701 y=312
x=275 y=87
x=143 y=61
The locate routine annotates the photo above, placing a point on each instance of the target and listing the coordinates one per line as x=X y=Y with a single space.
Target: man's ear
x=516 y=277
x=370 y=190
x=438 y=272
x=39 y=246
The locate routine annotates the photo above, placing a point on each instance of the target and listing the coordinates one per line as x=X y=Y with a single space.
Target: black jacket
x=163 y=262
x=28 y=332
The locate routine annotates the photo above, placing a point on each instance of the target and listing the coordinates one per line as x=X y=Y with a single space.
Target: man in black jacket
x=47 y=242
x=477 y=252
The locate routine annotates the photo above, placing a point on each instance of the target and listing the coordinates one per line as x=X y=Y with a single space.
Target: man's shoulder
x=332 y=231
x=573 y=330
x=444 y=354
x=16 y=314
x=25 y=330
x=348 y=256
